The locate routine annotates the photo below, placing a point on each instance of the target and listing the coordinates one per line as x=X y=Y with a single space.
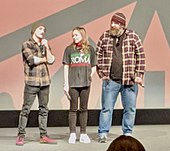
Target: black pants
x=30 y=93
x=75 y=94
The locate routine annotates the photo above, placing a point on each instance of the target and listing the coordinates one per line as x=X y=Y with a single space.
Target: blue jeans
x=110 y=91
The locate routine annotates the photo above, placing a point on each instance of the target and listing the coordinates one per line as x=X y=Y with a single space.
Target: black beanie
x=35 y=26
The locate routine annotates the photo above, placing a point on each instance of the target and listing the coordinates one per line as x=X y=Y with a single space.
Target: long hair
x=85 y=41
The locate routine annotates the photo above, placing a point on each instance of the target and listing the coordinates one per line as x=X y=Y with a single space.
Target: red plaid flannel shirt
x=132 y=54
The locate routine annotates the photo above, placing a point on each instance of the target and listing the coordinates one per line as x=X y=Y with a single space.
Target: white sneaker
x=72 y=138
x=127 y=134
x=84 y=138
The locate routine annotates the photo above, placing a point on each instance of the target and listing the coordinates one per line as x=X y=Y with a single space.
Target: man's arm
x=99 y=54
x=49 y=55
x=140 y=60
x=29 y=56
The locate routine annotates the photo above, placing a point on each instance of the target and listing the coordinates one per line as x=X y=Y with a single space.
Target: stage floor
x=153 y=137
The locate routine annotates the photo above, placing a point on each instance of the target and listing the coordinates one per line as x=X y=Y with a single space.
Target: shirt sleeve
x=66 y=57
x=93 y=57
x=50 y=57
x=99 y=54
x=140 y=57
x=27 y=53
x=37 y=60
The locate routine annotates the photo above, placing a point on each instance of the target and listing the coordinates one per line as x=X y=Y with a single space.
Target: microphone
x=116 y=41
x=43 y=50
x=44 y=43
x=117 y=44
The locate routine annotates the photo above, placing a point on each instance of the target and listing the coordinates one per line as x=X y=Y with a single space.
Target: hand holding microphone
x=46 y=48
x=43 y=46
x=44 y=42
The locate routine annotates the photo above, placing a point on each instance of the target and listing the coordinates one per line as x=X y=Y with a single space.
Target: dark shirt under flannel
x=35 y=75
x=133 y=56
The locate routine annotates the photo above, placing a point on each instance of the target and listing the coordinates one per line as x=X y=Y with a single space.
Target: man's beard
x=116 y=32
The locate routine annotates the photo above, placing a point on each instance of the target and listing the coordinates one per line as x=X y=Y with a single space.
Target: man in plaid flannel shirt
x=36 y=55
x=121 y=66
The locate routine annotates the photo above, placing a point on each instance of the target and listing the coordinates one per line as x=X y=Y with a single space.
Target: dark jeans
x=83 y=94
x=30 y=93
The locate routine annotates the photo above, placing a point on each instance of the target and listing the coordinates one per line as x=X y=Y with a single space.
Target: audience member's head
x=126 y=143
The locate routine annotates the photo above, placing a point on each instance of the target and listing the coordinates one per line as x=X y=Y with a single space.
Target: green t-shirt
x=80 y=65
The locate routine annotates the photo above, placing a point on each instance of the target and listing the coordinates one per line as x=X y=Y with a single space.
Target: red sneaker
x=47 y=140
x=20 y=140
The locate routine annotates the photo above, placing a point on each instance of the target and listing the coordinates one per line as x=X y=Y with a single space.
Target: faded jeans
x=30 y=92
x=110 y=91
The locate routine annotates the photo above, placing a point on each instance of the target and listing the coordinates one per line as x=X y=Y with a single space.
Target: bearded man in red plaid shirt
x=121 y=66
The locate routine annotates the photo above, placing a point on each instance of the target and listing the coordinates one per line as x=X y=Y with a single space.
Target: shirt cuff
x=37 y=60
x=50 y=58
